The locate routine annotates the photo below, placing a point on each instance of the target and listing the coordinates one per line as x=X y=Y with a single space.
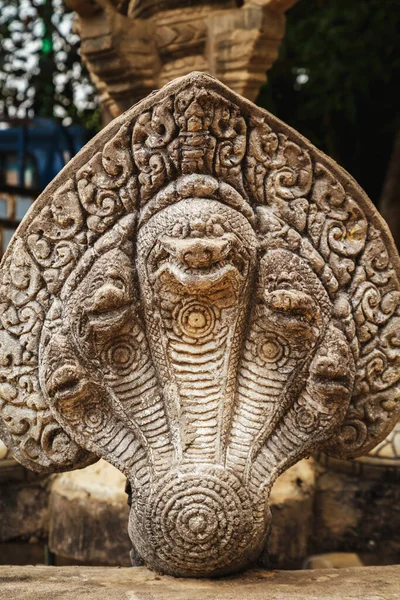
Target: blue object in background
x=31 y=155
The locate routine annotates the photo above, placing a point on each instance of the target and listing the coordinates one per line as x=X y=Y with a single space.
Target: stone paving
x=97 y=583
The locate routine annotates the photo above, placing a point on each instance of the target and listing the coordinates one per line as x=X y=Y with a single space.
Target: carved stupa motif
x=202 y=298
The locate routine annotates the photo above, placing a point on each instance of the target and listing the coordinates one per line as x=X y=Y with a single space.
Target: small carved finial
x=202 y=298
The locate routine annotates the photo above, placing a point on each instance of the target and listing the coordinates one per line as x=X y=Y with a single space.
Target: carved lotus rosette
x=202 y=298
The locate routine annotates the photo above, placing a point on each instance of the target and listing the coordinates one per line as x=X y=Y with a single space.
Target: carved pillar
x=132 y=48
x=202 y=298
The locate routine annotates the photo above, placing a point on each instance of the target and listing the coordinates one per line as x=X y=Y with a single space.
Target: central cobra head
x=195 y=266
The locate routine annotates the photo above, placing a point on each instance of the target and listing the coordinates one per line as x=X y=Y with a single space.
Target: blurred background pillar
x=131 y=48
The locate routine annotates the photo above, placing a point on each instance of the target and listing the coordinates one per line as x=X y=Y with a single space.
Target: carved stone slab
x=202 y=298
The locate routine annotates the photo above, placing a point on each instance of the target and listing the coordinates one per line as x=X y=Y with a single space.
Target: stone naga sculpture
x=133 y=47
x=202 y=298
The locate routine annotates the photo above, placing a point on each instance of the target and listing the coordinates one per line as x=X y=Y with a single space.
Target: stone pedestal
x=88 y=516
x=89 y=511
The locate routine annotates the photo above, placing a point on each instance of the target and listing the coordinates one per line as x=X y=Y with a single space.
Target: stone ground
x=108 y=583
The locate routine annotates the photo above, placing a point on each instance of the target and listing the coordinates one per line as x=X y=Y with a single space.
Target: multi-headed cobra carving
x=202 y=298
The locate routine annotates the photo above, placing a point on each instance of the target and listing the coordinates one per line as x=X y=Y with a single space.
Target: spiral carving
x=272 y=348
x=195 y=319
x=199 y=522
x=120 y=354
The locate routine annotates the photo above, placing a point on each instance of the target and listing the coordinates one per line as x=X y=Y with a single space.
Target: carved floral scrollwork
x=230 y=129
x=337 y=225
x=152 y=133
x=287 y=185
x=280 y=173
x=105 y=184
x=375 y=298
x=262 y=147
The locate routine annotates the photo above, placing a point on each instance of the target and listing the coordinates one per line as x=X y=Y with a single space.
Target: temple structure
x=134 y=47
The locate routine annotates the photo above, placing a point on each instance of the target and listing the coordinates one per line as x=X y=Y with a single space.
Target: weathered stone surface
x=203 y=299
x=23 y=510
x=95 y=583
x=132 y=48
x=358 y=514
x=292 y=509
x=88 y=513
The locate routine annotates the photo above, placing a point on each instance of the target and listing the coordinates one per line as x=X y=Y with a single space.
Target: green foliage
x=41 y=73
x=47 y=45
x=337 y=81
